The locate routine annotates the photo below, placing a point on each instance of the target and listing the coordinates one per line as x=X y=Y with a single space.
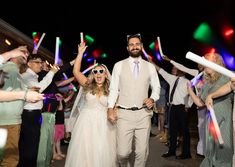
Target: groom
x=129 y=87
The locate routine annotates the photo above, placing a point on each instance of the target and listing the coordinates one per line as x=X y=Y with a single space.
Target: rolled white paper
x=81 y=37
x=89 y=68
x=209 y=64
x=160 y=47
x=217 y=129
x=57 y=50
x=3 y=137
x=40 y=41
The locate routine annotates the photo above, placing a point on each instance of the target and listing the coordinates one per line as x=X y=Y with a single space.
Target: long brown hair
x=216 y=58
x=91 y=85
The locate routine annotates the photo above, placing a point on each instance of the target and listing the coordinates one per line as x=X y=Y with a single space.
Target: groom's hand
x=112 y=115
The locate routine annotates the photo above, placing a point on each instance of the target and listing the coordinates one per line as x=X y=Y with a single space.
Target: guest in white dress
x=93 y=137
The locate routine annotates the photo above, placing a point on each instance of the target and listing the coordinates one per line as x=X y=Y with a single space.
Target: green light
x=104 y=55
x=75 y=89
x=152 y=45
x=34 y=34
x=203 y=33
x=89 y=39
x=60 y=42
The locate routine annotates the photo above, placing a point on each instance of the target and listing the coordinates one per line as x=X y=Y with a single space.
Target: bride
x=93 y=141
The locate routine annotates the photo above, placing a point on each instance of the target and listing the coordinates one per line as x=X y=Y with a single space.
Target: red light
x=228 y=33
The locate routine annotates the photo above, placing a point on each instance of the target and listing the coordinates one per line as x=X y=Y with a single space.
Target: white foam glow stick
x=89 y=68
x=160 y=47
x=81 y=37
x=40 y=41
x=145 y=54
x=217 y=129
x=209 y=64
x=3 y=137
x=195 y=80
x=57 y=50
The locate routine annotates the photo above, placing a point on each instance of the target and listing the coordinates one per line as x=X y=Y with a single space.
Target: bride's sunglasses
x=101 y=71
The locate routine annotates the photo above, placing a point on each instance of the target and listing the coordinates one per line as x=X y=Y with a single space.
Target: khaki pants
x=133 y=125
x=11 y=150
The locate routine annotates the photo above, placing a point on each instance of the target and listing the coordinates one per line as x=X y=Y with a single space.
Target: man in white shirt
x=178 y=119
x=201 y=112
x=31 y=116
x=131 y=79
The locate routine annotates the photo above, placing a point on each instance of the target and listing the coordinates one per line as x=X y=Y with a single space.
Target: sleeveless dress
x=93 y=140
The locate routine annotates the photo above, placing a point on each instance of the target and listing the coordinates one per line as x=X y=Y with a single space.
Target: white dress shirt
x=181 y=95
x=31 y=80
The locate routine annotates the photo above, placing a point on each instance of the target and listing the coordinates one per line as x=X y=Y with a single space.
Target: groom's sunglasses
x=101 y=71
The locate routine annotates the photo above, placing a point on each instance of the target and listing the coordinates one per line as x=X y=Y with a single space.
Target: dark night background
x=109 y=23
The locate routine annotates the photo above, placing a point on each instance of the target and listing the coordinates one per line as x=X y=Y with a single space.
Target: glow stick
x=81 y=37
x=89 y=68
x=40 y=41
x=65 y=76
x=217 y=129
x=209 y=64
x=71 y=84
x=3 y=137
x=196 y=79
x=145 y=54
x=160 y=47
x=57 y=50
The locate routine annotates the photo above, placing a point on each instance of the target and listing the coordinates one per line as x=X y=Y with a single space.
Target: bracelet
x=25 y=95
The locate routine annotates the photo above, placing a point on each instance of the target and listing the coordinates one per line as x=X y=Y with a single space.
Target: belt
x=25 y=110
x=132 y=108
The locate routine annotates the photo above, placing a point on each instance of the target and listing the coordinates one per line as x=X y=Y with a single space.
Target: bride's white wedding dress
x=93 y=140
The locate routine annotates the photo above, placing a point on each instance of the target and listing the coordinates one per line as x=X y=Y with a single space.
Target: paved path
x=155 y=159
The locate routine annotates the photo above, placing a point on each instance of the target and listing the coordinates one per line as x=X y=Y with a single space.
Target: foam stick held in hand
x=57 y=50
x=196 y=79
x=89 y=68
x=209 y=64
x=81 y=37
x=160 y=47
x=40 y=41
x=145 y=54
x=216 y=126
x=3 y=137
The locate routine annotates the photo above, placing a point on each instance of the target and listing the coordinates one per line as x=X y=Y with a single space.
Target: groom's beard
x=135 y=53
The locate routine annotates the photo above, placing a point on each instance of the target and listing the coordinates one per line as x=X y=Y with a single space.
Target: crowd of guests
x=26 y=96
x=110 y=113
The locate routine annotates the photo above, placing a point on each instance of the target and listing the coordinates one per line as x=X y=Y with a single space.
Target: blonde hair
x=91 y=85
x=216 y=58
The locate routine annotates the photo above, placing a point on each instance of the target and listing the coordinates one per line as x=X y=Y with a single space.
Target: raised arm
x=20 y=51
x=181 y=67
x=29 y=96
x=80 y=77
x=64 y=82
x=194 y=97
